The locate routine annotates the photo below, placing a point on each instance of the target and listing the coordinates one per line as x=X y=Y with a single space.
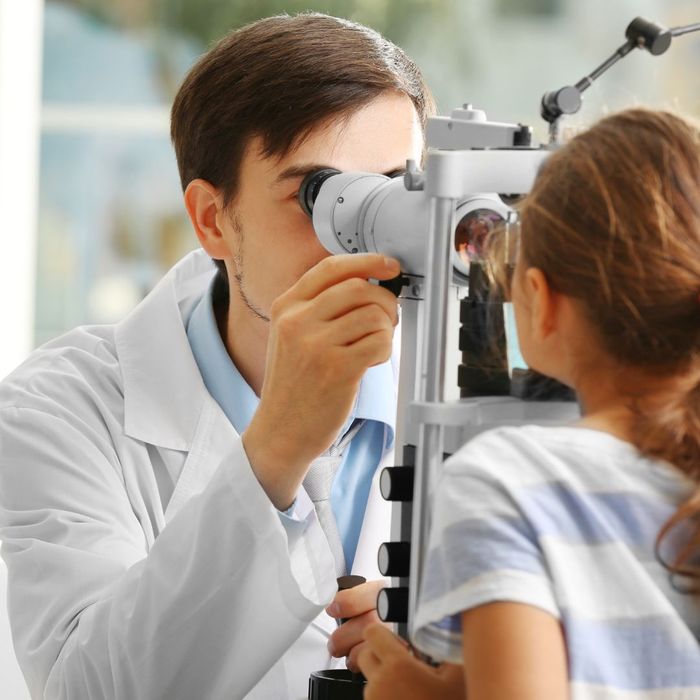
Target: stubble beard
x=240 y=272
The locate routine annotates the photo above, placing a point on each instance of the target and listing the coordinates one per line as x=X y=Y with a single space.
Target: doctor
x=162 y=509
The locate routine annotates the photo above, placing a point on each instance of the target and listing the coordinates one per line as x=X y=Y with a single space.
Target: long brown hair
x=613 y=221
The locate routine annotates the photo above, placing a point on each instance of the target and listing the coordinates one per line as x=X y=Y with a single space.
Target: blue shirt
x=375 y=404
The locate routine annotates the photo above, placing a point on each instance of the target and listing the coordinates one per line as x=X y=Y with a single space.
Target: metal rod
x=586 y=82
x=431 y=387
x=432 y=361
x=679 y=31
x=410 y=357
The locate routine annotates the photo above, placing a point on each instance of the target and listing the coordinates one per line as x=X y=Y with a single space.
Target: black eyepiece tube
x=311 y=186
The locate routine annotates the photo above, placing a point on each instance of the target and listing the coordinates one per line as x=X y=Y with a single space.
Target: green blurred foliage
x=208 y=20
x=541 y=8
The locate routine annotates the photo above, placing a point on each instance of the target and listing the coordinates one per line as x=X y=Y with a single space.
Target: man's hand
x=357 y=606
x=393 y=673
x=325 y=332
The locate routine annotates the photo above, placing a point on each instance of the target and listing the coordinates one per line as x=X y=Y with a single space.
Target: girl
x=564 y=561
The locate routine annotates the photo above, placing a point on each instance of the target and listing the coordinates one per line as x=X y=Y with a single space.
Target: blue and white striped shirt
x=566 y=519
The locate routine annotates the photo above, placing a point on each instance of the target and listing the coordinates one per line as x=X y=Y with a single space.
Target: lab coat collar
x=163 y=390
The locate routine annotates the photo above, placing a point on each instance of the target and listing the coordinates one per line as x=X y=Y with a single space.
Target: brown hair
x=613 y=221
x=279 y=78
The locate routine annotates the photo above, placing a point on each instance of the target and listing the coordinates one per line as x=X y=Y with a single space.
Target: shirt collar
x=224 y=382
x=376 y=399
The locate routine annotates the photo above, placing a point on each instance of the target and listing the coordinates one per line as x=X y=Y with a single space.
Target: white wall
x=20 y=90
x=20 y=101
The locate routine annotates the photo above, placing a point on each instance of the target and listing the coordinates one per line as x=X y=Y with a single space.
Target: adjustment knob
x=396 y=483
x=394 y=558
x=653 y=37
x=566 y=100
x=392 y=604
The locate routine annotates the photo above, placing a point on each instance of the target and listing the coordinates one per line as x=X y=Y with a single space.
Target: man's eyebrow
x=295 y=171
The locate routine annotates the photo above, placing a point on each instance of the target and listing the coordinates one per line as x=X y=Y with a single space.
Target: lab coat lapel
x=165 y=401
x=163 y=390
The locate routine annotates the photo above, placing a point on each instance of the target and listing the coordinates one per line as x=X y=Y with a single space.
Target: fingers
x=350 y=634
x=451 y=674
x=359 y=324
x=356 y=601
x=353 y=293
x=391 y=671
x=373 y=349
x=320 y=340
x=352 y=662
x=383 y=641
x=358 y=607
x=367 y=661
x=338 y=268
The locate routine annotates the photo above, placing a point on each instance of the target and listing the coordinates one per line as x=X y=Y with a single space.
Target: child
x=565 y=561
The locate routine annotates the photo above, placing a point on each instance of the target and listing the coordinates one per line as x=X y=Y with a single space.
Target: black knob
x=394 y=558
x=651 y=36
x=395 y=284
x=566 y=100
x=396 y=483
x=336 y=684
x=523 y=136
x=345 y=582
x=392 y=604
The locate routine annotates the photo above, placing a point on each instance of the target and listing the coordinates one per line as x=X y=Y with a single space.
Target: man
x=159 y=540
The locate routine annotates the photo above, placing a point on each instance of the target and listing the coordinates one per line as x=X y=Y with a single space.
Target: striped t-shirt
x=566 y=519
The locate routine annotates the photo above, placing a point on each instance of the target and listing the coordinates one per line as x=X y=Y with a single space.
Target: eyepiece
x=311 y=186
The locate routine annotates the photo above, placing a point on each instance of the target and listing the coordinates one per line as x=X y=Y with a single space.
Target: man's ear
x=543 y=303
x=203 y=202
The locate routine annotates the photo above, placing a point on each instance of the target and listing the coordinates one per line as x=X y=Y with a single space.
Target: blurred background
x=100 y=218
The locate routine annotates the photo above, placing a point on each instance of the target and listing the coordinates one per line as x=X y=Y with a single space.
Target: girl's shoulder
x=512 y=458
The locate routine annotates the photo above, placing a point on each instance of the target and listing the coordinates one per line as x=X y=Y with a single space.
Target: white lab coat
x=145 y=561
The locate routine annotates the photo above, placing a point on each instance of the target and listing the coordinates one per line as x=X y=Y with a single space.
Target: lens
x=472 y=233
x=311 y=186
